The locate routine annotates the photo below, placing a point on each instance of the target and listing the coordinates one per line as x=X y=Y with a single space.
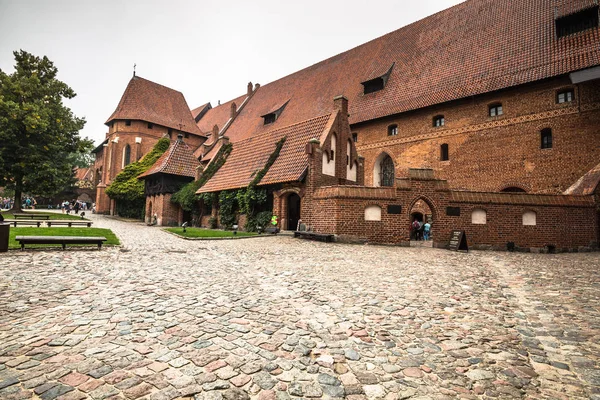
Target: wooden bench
x=15 y=222
x=69 y=223
x=31 y=216
x=323 y=237
x=62 y=240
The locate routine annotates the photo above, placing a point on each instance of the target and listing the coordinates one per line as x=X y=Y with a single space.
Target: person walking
x=426 y=230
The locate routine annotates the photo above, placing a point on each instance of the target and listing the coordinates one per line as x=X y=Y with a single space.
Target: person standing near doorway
x=426 y=230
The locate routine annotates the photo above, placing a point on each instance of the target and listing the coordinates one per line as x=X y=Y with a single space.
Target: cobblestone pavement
x=280 y=318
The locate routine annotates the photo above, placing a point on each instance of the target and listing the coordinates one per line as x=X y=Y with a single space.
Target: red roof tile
x=250 y=155
x=177 y=160
x=148 y=101
x=475 y=47
x=218 y=115
x=587 y=184
x=522 y=199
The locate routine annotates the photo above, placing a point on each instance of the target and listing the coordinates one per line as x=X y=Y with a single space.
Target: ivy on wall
x=186 y=197
x=127 y=190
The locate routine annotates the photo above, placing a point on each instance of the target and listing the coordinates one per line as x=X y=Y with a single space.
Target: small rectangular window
x=496 y=110
x=565 y=96
x=393 y=130
x=444 y=155
x=270 y=118
x=577 y=22
x=546 y=136
x=355 y=137
x=439 y=121
x=150 y=125
x=128 y=122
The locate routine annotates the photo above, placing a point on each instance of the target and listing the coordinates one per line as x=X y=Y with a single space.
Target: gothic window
x=495 y=110
x=565 y=96
x=126 y=156
x=438 y=121
x=444 y=155
x=546 y=138
x=387 y=171
x=393 y=130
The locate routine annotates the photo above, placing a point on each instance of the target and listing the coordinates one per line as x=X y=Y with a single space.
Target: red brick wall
x=111 y=158
x=565 y=222
x=167 y=213
x=490 y=153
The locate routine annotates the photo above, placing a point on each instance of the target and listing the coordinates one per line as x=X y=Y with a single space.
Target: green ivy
x=228 y=207
x=186 y=197
x=251 y=198
x=128 y=190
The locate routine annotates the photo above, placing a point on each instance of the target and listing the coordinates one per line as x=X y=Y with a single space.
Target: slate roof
x=472 y=48
x=587 y=184
x=148 y=101
x=177 y=160
x=250 y=155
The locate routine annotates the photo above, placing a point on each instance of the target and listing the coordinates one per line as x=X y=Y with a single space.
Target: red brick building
x=483 y=117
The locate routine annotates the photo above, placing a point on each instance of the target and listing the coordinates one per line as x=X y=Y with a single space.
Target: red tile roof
x=250 y=155
x=587 y=184
x=522 y=199
x=218 y=115
x=472 y=48
x=177 y=160
x=148 y=101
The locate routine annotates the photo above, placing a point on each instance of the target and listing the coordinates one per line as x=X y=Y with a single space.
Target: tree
x=37 y=131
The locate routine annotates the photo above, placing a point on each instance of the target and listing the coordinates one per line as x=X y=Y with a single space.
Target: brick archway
x=422 y=208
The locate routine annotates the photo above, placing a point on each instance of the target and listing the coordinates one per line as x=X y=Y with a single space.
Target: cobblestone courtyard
x=279 y=318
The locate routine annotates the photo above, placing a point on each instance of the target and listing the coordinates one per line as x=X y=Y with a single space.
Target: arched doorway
x=293 y=211
x=422 y=212
x=149 y=214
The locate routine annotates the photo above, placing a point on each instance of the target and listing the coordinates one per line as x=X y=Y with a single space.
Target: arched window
x=546 y=138
x=479 y=217
x=438 y=121
x=529 y=218
x=126 y=156
x=387 y=171
x=444 y=155
x=393 y=130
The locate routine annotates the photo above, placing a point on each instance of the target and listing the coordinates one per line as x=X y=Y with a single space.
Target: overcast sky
x=208 y=50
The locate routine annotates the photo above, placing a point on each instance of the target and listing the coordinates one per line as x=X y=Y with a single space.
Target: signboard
x=394 y=209
x=458 y=241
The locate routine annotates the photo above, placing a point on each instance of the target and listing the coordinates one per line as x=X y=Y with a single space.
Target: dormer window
x=128 y=122
x=150 y=125
x=378 y=83
x=374 y=85
x=565 y=96
x=393 y=130
x=577 y=22
x=438 y=121
x=269 y=118
x=273 y=115
x=495 y=110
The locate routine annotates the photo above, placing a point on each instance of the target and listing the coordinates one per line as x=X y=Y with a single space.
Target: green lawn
x=53 y=216
x=62 y=231
x=208 y=233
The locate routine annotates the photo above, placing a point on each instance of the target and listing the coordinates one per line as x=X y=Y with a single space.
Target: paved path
x=279 y=318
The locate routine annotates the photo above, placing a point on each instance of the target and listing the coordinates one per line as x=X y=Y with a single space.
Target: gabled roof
x=218 y=115
x=587 y=184
x=177 y=160
x=473 y=48
x=250 y=155
x=148 y=101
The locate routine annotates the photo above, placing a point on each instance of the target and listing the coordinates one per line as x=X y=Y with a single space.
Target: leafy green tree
x=37 y=131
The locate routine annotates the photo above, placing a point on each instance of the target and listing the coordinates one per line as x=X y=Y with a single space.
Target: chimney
x=215 y=130
x=233 y=110
x=256 y=86
x=249 y=92
x=224 y=140
x=180 y=137
x=341 y=103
